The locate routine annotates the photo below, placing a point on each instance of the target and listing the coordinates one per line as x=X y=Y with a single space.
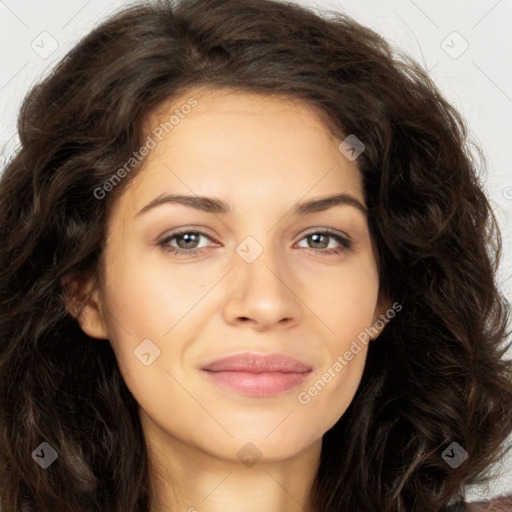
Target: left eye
x=187 y=241
x=316 y=237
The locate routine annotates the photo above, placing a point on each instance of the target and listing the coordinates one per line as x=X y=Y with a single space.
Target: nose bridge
x=259 y=261
x=260 y=288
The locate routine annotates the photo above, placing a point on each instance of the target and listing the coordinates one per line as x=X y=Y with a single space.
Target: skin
x=261 y=155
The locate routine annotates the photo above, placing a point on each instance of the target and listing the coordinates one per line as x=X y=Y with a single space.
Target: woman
x=172 y=336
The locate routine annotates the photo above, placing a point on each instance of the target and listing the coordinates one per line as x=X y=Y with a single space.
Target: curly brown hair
x=436 y=375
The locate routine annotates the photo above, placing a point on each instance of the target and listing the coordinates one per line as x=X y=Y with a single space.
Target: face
x=251 y=270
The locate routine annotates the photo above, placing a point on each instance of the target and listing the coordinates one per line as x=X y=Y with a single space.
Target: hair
x=437 y=373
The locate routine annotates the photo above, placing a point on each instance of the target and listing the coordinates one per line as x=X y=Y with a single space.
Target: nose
x=263 y=293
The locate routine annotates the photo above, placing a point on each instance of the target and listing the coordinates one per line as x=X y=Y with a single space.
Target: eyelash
x=346 y=244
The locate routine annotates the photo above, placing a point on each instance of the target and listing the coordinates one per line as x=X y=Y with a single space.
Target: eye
x=321 y=238
x=187 y=241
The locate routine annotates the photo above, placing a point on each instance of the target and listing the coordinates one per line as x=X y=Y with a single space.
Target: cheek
x=151 y=303
x=144 y=283
x=347 y=304
x=330 y=393
x=136 y=298
x=145 y=295
x=345 y=300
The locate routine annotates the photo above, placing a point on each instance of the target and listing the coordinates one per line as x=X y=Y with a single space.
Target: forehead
x=216 y=141
x=215 y=112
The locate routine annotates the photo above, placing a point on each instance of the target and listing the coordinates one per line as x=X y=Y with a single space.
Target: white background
x=477 y=80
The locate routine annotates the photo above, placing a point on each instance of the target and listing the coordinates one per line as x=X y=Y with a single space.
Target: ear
x=83 y=302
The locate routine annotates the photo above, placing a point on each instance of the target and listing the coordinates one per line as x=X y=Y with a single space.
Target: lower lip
x=258 y=384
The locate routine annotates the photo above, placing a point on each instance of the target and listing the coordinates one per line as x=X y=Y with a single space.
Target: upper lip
x=258 y=363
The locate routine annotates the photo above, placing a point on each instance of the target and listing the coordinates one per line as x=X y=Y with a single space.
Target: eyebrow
x=217 y=206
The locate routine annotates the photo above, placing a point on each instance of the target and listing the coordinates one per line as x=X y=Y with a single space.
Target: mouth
x=257 y=374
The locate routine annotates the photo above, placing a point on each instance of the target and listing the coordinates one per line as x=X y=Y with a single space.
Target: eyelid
x=181 y=231
x=321 y=229
x=187 y=229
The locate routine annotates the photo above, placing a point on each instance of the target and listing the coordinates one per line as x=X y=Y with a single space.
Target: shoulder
x=503 y=504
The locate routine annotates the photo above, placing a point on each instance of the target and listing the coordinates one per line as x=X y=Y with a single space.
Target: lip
x=258 y=363
x=258 y=374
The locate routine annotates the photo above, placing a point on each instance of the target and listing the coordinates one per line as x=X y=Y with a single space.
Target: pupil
x=315 y=240
x=187 y=237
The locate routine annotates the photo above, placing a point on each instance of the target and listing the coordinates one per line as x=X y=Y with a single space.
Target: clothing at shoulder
x=503 y=504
